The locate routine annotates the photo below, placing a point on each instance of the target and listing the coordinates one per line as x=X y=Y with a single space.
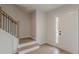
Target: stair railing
x=8 y=24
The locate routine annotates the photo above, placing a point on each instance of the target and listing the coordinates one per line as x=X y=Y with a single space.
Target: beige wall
x=19 y=15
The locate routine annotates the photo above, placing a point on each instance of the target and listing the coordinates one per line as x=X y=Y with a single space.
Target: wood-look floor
x=46 y=49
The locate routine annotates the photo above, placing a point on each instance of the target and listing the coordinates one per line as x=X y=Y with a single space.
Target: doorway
x=66 y=31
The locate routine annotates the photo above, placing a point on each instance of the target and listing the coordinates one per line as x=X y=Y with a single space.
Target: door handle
x=59 y=32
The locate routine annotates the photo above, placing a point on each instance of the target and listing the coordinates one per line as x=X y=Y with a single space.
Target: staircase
x=8 y=33
x=9 y=36
x=27 y=45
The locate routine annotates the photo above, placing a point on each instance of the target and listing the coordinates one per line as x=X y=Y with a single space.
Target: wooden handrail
x=8 y=16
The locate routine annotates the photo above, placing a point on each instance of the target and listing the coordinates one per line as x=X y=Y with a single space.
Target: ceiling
x=43 y=7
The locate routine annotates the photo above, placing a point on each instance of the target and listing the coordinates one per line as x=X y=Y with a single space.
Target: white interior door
x=67 y=31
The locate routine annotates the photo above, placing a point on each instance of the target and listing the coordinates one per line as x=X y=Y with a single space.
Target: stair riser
x=28 y=50
x=27 y=44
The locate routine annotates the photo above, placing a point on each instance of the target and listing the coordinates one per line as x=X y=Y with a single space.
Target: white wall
x=33 y=18
x=69 y=40
x=39 y=26
x=8 y=43
x=22 y=17
x=51 y=29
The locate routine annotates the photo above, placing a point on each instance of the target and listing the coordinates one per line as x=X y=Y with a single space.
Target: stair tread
x=22 y=41
x=28 y=47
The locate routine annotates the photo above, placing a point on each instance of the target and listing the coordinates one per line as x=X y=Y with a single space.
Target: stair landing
x=27 y=45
